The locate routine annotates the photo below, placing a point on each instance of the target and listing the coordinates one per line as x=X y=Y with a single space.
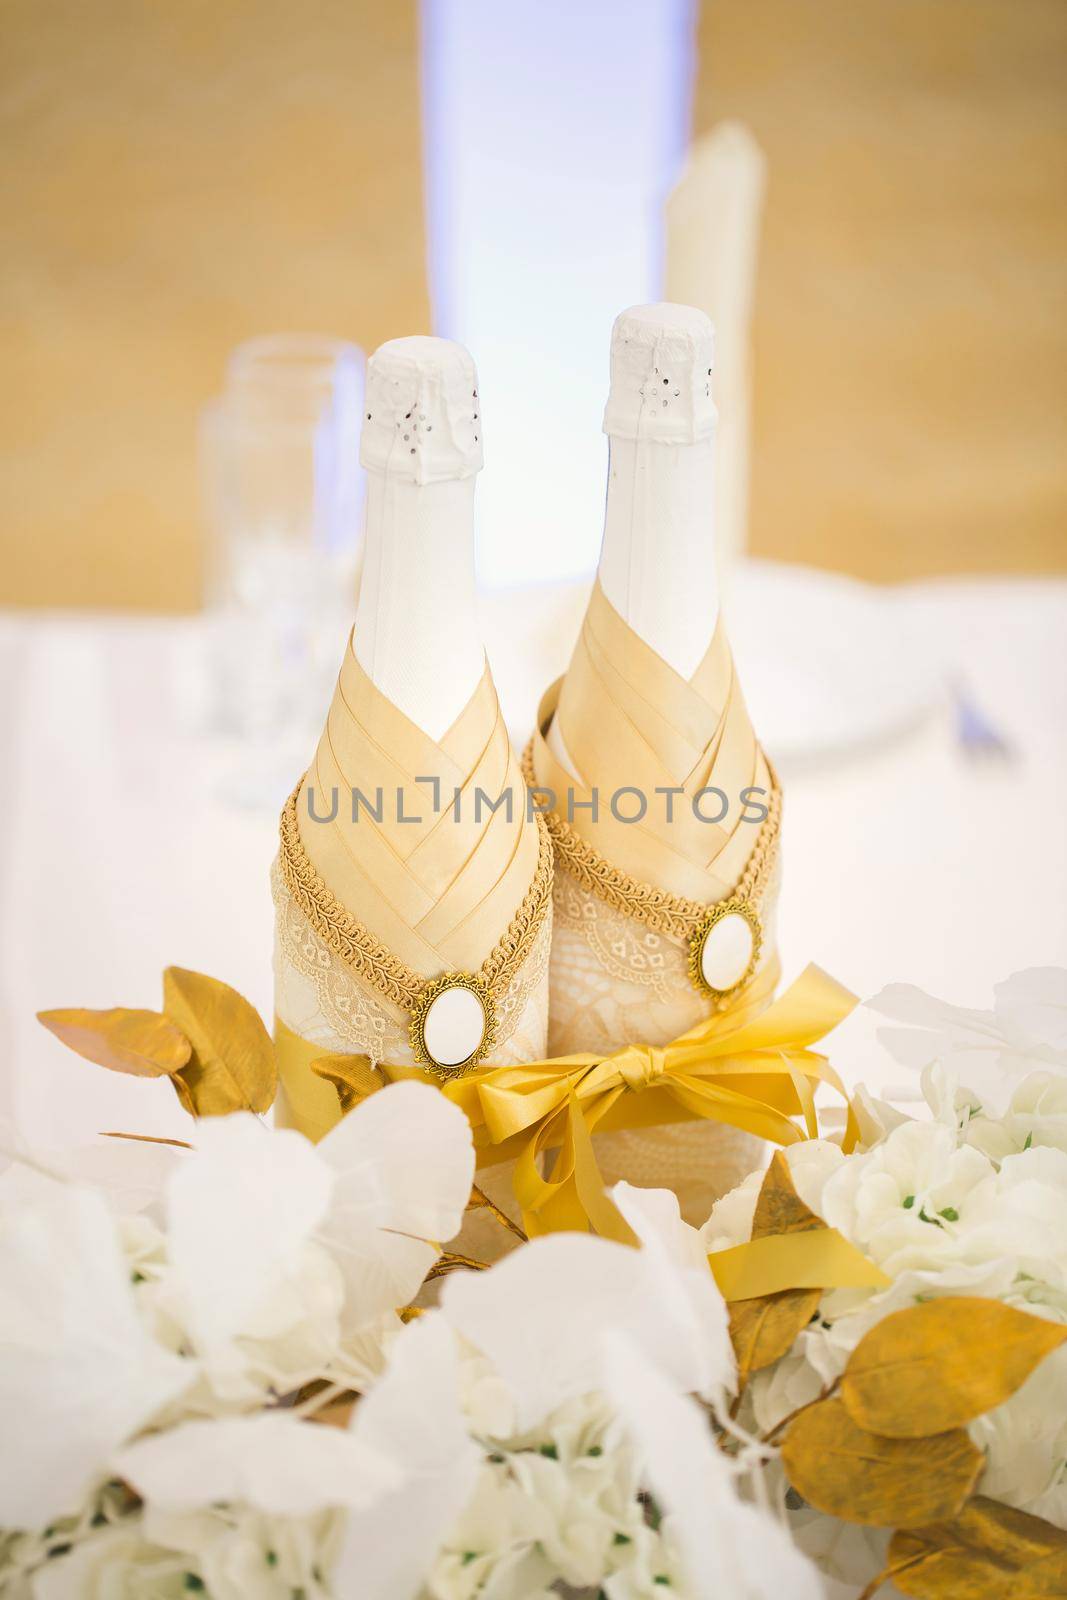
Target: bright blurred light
x=552 y=134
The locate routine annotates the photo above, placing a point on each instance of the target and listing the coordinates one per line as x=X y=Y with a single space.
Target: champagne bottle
x=665 y=807
x=412 y=887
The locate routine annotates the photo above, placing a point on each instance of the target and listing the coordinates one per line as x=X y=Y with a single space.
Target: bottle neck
x=657 y=560
x=418 y=636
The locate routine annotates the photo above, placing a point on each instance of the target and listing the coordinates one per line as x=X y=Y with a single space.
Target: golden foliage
x=763 y=1329
x=779 y=1209
x=480 y=1201
x=143 y=1043
x=231 y=1067
x=352 y=1076
x=841 y=1469
x=452 y=1261
x=989 y=1552
x=940 y=1364
x=336 y=1413
x=148 y=1138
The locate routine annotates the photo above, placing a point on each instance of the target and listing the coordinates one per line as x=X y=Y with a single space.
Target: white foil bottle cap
x=422 y=416
x=661 y=365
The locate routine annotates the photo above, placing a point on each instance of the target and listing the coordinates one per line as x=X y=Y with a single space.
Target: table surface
x=122 y=850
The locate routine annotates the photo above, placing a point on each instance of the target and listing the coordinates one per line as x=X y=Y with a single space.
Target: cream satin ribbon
x=752 y=1067
x=435 y=883
x=628 y=720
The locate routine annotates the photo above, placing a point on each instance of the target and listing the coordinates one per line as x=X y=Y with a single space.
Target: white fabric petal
x=989 y=1050
x=905 y=1002
x=727 y=1547
x=656 y=1218
x=131 y=1173
x=412 y=1415
x=403 y=1163
x=241 y=1209
x=675 y=1256
x=1034 y=1004
x=79 y=1372
x=272 y=1462
x=539 y=1316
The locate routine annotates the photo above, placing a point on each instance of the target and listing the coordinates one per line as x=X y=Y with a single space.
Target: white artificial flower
x=412 y=1415
x=732 y=1214
x=1025 y=1031
x=674 y=1255
x=656 y=1218
x=114 y=1563
x=847 y=1552
x=241 y=1209
x=900 y=1202
x=650 y=1568
x=284 y=1255
x=488 y=1403
x=1036 y=1115
x=272 y=1462
x=874 y=1117
x=726 y=1547
x=578 y=1521
x=403 y=1166
x=79 y=1373
x=1025 y=1440
x=240 y=1554
x=540 y=1314
x=494 y=1542
x=558 y=1502
x=812 y=1163
x=131 y=1173
x=1017 y=1214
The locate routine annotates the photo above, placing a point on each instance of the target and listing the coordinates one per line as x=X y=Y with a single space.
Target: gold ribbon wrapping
x=629 y=721
x=752 y=1066
x=438 y=876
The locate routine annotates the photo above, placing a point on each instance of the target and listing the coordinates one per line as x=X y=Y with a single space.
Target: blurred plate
x=829 y=665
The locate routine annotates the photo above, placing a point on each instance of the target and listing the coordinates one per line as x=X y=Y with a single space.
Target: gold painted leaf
x=184 y=1093
x=779 y=1209
x=149 y=1138
x=337 y=1413
x=940 y=1364
x=989 y=1552
x=451 y=1261
x=143 y=1043
x=840 y=1468
x=352 y=1076
x=763 y=1328
x=232 y=1064
x=480 y=1201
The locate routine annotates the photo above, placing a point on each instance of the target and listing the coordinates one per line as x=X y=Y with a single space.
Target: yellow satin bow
x=751 y=1066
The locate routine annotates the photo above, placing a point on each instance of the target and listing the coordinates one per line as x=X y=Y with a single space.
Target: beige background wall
x=910 y=363
x=176 y=176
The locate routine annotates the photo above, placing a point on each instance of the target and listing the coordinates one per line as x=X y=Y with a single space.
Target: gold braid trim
x=373 y=961
x=658 y=910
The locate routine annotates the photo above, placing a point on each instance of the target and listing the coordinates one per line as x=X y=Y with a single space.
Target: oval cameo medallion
x=725 y=947
x=451 y=1024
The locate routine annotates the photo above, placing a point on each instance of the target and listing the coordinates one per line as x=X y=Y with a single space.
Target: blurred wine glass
x=283 y=497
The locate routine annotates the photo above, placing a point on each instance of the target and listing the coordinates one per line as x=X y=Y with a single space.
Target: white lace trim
x=322 y=1000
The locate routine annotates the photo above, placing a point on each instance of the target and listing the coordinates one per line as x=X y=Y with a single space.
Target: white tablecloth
x=121 y=850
